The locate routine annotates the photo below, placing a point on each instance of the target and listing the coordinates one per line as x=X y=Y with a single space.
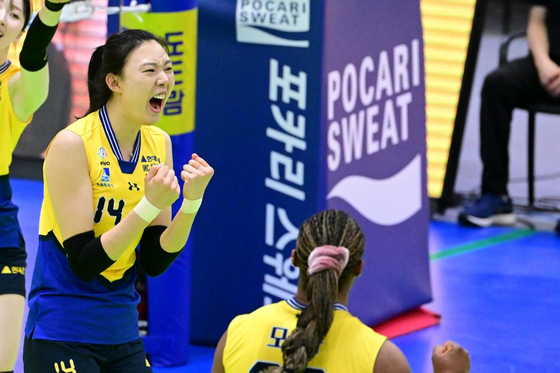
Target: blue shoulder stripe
x=294 y=303
x=108 y=128
x=5 y=66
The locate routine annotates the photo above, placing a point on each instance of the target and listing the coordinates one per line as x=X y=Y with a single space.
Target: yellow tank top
x=254 y=341
x=117 y=185
x=11 y=127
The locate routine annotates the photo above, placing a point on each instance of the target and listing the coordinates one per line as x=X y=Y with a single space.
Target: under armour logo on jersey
x=63 y=369
x=133 y=186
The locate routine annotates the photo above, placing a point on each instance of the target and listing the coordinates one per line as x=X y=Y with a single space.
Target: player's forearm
x=31 y=89
x=49 y=17
x=176 y=235
x=116 y=240
x=537 y=36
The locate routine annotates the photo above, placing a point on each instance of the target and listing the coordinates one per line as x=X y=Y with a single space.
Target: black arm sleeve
x=153 y=259
x=86 y=255
x=33 y=56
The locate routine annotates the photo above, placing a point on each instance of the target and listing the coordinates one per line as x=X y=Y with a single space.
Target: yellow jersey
x=117 y=185
x=11 y=127
x=254 y=341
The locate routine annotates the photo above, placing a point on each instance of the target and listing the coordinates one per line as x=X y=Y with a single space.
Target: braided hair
x=331 y=227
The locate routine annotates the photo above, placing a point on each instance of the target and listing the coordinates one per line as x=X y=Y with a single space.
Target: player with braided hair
x=314 y=332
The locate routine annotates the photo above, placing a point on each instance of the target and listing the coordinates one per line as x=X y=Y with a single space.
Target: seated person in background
x=533 y=79
x=314 y=332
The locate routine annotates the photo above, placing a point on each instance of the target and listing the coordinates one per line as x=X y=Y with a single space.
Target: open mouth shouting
x=156 y=103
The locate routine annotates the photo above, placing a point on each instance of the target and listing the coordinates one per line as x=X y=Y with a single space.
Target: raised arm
x=196 y=174
x=163 y=240
x=29 y=87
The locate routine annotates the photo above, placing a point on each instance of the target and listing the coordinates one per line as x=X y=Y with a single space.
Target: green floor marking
x=482 y=244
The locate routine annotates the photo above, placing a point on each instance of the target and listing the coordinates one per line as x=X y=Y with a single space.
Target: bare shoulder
x=67 y=141
x=217 y=366
x=391 y=360
x=68 y=138
x=66 y=145
x=167 y=139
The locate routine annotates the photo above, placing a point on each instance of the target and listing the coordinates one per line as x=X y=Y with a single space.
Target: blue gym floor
x=497 y=289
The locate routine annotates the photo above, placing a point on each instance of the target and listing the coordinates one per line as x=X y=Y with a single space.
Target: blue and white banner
x=284 y=23
x=375 y=135
x=293 y=116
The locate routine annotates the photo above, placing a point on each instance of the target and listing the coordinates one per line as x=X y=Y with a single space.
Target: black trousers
x=512 y=85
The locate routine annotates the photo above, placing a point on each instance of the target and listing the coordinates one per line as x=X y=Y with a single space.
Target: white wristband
x=191 y=206
x=146 y=210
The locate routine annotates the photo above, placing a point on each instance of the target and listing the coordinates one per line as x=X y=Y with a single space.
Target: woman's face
x=12 y=17
x=146 y=83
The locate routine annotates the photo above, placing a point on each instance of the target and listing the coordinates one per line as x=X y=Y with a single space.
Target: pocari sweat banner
x=305 y=105
x=374 y=132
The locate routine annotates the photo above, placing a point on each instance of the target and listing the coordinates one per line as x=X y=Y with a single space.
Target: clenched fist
x=196 y=174
x=451 y=358
x=161 y=186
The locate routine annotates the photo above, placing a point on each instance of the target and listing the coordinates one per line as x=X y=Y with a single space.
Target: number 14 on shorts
x=63 y=369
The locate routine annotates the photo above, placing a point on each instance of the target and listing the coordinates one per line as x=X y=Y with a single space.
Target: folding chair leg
x=531 y=158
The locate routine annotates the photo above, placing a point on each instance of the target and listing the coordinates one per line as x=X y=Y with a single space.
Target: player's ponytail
x=111 y=58
x=26 y=12
x=329 y=246
x=99 y=92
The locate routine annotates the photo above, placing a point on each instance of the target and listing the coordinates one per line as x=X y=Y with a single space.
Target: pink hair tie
x=328 y=257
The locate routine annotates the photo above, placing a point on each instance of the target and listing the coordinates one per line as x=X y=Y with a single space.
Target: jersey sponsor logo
x=13 y=270
x=106 y=177
x=104 y=163
x=151 y=159
x=273 y=22
x=63 y=369
x=278 y=336
x=146 y=167
x=133 y=186
x=102 y=153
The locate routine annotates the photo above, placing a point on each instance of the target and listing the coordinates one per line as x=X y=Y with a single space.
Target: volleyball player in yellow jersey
x=314 y=332
x=109 y=186
x=22 y=91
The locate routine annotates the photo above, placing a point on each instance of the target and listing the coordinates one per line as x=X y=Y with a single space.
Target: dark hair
x=111 y=58
x=26 y=12
x=331 y=227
